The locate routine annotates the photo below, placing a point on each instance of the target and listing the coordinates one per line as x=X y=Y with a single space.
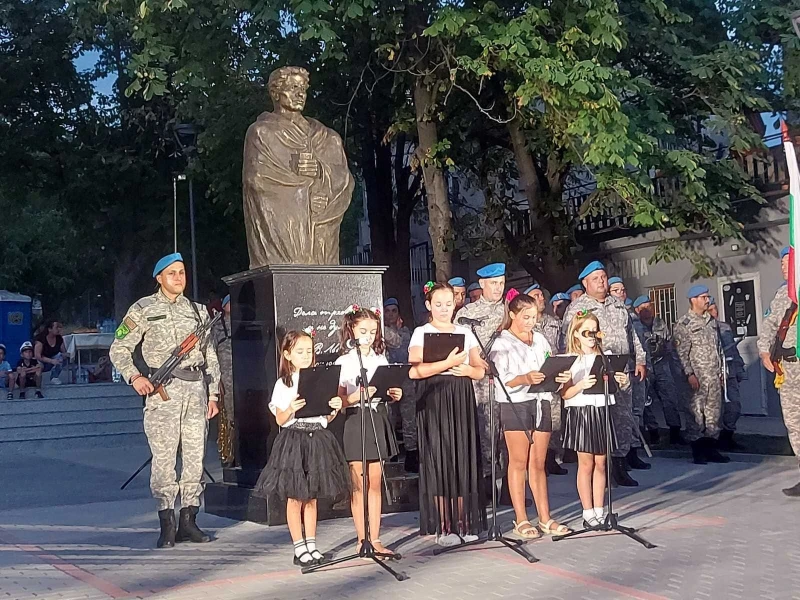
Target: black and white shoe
x=306 y=559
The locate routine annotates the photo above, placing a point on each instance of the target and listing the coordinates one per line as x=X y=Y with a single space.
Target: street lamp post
x=186 y=136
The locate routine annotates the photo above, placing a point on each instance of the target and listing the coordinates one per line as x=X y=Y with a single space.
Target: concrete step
x=51 y=432
x=87 y=390
x=51 y=405
x=104 y=415
x=74 y=442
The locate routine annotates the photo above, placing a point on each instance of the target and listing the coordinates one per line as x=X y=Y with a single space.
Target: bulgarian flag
x=794 y=218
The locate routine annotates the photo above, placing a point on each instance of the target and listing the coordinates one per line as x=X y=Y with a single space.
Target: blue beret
x=696 y=290
x=535 y=286
x=628 y=301
x=593 y=266
x=457 y=282
x=473 y=286
x=391 y=302
x=711 y=301
x=559 y=296
x=614 y=280
x=226 y=300
x=167 y=261
x=492 y=270
x=574 y=288
x=641 y=300
x=784 y=251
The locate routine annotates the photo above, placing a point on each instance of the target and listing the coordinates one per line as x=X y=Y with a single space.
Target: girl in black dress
x=450 y=477
x=306 y=462
x=361 y=328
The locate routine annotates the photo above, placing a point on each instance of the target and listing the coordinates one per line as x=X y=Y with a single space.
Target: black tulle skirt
x=305 y=465
x=379 y=440
x=451 y=494
x=585 y=429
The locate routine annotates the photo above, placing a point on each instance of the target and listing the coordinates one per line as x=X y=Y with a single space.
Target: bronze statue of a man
x=296 y=182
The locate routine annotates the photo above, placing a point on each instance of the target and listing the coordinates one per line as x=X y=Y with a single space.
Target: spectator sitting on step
x=5 y=368
x=28 y=373
x=50 y=350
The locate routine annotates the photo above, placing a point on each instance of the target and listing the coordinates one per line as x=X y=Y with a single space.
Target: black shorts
x=522 y=416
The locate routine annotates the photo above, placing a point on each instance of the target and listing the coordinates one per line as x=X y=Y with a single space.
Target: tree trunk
x=440 y=224
x=126 y=274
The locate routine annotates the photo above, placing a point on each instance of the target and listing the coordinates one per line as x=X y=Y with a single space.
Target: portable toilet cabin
x=15 y=323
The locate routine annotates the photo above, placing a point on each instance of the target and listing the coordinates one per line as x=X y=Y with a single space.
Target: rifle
x=776 y=351
x=164 y=372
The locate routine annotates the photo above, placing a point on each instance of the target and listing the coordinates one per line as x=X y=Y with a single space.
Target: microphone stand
x=494 y=534
x=611 y=522
x=367 y=550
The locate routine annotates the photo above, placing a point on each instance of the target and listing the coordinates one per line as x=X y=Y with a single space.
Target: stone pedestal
x=265 y=303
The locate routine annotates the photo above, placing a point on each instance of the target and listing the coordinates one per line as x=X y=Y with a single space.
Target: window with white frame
x=664 y=305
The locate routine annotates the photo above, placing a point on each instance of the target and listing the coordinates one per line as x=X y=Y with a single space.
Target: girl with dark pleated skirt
x=452 y=505
x=361 y=330
x=306 y=462
x=585 y=424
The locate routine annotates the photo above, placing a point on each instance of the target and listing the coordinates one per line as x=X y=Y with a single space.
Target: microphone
x=357 y=342
x=597 y=335
x=470 y=322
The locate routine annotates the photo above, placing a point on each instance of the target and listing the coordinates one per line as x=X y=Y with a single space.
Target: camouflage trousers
x=732 y=409
x=662 y=388
x=705 y=408
x=408 y=415
x=487 y=435
x=227 y=399
x=639 y=399
x=179 y=422
x=790 y=404
x=555 y=414
x=624 y=423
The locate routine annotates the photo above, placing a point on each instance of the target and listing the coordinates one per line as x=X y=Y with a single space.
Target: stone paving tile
x=722 y=531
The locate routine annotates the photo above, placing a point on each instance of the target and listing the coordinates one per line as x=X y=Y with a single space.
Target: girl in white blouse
x=306 y=461
x=585 y=424
x=450 y=476
x=361 y=330
x=519 y=353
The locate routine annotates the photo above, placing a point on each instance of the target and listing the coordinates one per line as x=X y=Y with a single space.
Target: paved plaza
x=722 y=531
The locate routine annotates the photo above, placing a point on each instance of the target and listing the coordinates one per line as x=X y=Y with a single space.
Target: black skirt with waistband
x=379 y=440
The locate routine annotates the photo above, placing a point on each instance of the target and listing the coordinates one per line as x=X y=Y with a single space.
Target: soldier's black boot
x=793 y=492
x=412 y=461
x=676 y=438
x=620 y=474
x=712 y=454
x=698 y=452
x=188 y=531
x=166 y=518
x=635 y=462
x=726 y=441
x=551 y=465
x=653 y=437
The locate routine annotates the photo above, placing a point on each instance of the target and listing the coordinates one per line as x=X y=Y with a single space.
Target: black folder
x=387 y=377
x=438 y=346
x=552 y=366
x=317 y=386
x=617 y=363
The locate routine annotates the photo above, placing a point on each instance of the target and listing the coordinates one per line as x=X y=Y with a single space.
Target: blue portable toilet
x=15 y=323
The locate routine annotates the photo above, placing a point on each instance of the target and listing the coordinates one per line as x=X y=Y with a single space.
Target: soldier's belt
x=188 y=374
x=789 y=354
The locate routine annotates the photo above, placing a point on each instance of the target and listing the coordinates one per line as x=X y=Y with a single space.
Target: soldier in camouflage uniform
x=735 y=373
x=397 y=337
x=697 y=341
x=222 y=339
x=789 y=384
x=550 y=327
x=161 y=322
x=616 y=325
x=658 y=341
x=490 y=309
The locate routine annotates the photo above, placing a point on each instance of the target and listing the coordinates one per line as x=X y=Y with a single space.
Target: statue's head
x=287 y=88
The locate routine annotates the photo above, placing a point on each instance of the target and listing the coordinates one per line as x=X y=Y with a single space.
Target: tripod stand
x=367 y=550
x=494 y=533
x=611 y=523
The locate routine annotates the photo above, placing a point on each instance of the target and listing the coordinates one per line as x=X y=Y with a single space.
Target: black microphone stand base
x=367 y=550
x=610 y=524
x=494 y=535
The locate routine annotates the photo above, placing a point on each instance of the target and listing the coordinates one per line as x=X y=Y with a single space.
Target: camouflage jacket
x=397 y=343
x=491 y=313
x=615 y=323
x=772 y=322
x=550 y=327
x=697 y=341
x=162 y=325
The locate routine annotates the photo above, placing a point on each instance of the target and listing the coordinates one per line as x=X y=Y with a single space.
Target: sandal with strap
x=526 y=530
x=388 y=554
x=559 y=529
x=299 y=562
